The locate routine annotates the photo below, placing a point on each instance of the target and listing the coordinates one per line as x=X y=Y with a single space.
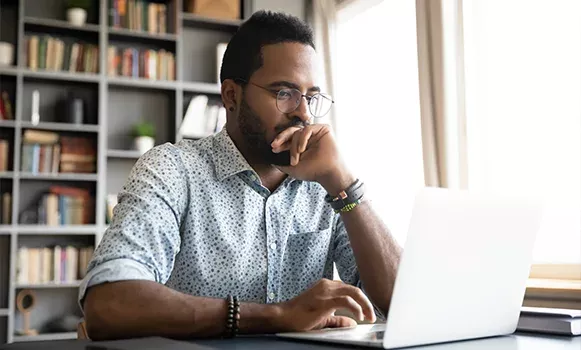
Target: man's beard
x=254 y=134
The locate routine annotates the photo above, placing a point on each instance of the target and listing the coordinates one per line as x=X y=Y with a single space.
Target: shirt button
x=273 y=246
x=271 y=296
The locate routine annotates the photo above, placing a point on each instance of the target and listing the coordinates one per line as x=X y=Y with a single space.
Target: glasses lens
x=288 y=100
x=320 y=105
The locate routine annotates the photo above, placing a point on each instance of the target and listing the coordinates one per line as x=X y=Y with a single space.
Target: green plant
x=84 y=4
x=144 y=129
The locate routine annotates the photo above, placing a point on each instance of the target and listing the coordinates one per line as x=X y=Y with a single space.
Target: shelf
x=196 y=21
x=61 y=75
x=123 y=154
x=8 y=70
x=63 y=27
x=58 y=176
x=5 y=229
x=6 y=175
x=7 y=124
x=60 y=230
x=122 y=33
x=61 y=126
x=4 y=312
x=142 y=83
x=45 y=337
x=204 y=88
x=48 y=285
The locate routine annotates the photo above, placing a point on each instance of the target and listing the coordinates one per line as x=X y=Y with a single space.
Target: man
x=200 y=221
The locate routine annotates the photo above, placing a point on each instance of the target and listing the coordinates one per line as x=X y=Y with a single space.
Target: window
x=377 y=104
x=523 y=108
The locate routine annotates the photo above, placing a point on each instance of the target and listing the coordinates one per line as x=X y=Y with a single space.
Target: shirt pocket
x=306 y=256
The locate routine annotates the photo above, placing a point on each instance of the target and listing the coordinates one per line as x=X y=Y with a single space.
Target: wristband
x=350 y=195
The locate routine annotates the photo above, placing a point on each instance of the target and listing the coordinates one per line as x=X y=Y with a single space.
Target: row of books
x=6 y=111
x=54 y=54
x=149 y=64
x=59 y=264
x=65 y=206
x=49 y=152
x=138 y=15
x=6 y=209
x=202 y=118
x=4 y=152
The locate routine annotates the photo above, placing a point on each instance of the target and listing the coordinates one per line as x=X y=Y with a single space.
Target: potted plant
x=77 y=11
x=144 y=137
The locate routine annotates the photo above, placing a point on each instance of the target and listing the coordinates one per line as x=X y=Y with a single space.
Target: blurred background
x=471 y=94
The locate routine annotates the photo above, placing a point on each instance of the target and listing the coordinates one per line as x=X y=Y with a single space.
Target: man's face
x=285 y=65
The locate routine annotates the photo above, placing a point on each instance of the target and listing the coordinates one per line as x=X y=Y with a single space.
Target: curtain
x=441 y=77
x=323 y=20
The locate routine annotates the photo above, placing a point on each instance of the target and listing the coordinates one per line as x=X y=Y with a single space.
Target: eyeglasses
x=288 y=100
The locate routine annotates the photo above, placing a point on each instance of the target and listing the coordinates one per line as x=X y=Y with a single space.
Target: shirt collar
x=228 y=161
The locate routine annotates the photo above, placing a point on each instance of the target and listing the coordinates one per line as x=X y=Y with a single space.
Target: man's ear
x=231 y=94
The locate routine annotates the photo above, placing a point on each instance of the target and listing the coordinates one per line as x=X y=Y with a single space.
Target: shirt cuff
x=113 y=271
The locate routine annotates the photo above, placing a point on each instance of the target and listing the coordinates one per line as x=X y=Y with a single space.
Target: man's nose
x=302 y=111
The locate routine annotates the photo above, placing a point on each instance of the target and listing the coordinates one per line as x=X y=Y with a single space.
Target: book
x=549 y=320
x=55 y=264
x=7 y=112
x=6 y=218
x=4 y=155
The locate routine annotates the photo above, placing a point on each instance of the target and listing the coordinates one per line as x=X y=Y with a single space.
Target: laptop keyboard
x=375 y=333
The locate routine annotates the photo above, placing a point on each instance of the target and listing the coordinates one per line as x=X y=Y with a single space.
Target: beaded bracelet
x=233 y=320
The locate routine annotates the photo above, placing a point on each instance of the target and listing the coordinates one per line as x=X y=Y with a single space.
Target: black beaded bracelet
x=233 y=320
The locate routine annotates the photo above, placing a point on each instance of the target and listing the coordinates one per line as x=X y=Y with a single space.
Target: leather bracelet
x=233 y=319
x=350 y=195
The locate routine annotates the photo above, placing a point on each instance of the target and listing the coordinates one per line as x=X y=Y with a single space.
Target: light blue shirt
x=195 y=217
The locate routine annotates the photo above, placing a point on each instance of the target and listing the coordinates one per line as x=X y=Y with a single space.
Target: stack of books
x=40 y=152
x=548 y=320
x=45 y=152
x=54 y=54
x=77 y=155
x=148 y=64
x=65 y=206
x=138 y=15
x=52 y=264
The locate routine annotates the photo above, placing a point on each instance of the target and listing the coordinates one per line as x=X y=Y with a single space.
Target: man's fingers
x=284 y=136
x=294 y=150
x=358 y=296
x=339 y=322
x=304 y=137
x=345 y=302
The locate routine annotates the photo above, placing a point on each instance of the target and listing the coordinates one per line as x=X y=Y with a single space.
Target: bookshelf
x=113 y=104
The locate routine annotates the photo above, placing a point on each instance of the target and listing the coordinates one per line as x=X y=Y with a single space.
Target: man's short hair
x=244 y=53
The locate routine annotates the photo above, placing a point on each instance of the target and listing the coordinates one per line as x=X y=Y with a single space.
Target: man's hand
x=314 y=308
x=314 y=156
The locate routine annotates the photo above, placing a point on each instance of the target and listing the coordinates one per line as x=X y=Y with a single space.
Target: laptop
x=462 y=274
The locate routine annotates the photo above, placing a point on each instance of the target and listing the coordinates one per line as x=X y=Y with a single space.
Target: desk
x=518 y=341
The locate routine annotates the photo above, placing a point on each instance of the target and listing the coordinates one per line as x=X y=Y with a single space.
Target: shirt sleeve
x=345 y=262
x=144 y=236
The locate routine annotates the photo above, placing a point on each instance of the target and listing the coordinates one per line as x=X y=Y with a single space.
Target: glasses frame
x=307 y=98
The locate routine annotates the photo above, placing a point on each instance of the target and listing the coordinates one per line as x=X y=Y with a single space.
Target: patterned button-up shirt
x=195 y=217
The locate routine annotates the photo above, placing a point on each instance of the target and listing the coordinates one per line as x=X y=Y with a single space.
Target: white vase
x=6 y=54
x=144 y=144
x=77 y=16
